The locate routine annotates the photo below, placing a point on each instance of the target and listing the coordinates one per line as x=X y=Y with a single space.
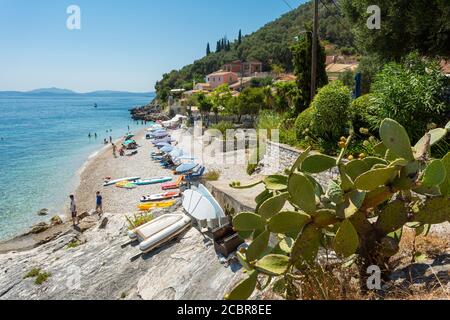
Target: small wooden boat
x=159 y=231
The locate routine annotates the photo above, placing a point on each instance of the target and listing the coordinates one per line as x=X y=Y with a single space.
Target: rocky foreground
x=97 y=264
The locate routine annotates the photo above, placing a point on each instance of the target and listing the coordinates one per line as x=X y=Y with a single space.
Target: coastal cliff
x=150 y=112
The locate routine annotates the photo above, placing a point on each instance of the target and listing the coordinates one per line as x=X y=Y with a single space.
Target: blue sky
x=122 y=45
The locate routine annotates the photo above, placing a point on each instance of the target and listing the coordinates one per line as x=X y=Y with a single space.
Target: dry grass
x=337 y=283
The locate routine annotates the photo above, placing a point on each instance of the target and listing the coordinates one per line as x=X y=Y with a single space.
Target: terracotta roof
x=340 y=67
x=220 y=73
x=287 y=77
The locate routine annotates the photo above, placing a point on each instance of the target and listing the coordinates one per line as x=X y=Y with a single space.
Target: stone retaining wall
x=279 y=157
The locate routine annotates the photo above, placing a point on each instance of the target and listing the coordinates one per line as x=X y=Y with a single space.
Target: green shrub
x=348 y=78
x=223 y=126
x=73 y=244
x=332 y=103
x=360 y=111
x=410 y=93
x=304 y=122
x=139 y=220
x=269 y=120
x=42 y=277
x=32 y=273
x=212 y=175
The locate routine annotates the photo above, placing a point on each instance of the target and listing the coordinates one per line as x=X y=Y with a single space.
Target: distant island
x=58 y=91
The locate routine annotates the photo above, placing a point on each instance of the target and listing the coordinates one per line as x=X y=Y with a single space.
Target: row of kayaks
x=133 y=182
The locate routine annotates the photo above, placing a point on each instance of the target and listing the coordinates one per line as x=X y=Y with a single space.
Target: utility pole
x=315 y=37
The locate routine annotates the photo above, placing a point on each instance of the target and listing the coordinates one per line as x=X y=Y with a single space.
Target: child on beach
x=99 y=204
x=73 y=210
x=114 y=150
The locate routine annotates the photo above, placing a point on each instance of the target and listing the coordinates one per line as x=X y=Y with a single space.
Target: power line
x=288 y=4
x=339 y=21
x=336 y=5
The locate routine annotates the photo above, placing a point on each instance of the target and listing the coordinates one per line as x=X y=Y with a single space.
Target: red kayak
x=161 y=196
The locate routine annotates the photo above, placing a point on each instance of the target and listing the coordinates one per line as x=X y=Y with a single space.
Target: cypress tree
x=240 y=37
x=208 y=49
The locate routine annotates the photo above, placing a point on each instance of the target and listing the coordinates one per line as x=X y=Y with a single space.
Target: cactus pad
x=318 y=163
x=356 y=168
x=434 y=174
x=248 y=221
x=288 y=221
x=302 y=192
x=273 y=264
x=396 y=139
x=272 y=206
x=257 y=247
x=244 y=289
x=346 y=241
x=374 y=178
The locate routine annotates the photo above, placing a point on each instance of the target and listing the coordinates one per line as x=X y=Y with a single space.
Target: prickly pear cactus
x=294 y=217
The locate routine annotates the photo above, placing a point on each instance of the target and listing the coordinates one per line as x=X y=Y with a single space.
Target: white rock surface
x=186 y=268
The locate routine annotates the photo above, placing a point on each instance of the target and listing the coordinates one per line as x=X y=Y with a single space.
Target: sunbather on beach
x=73 y=210
x=99 y=204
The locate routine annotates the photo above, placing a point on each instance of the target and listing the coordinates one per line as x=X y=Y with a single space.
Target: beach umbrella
x=167 y=149
x=129 y=142
x=186 y=158
x=186 y=167
x=129 y=137
x=163 y=140
x=161 y=134
x=162 y=144
x=176 y=153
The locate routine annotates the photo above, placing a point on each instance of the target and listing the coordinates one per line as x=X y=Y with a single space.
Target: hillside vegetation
x=270 y=45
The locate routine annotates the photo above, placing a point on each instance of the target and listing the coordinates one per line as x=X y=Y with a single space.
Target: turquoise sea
x=44 y=142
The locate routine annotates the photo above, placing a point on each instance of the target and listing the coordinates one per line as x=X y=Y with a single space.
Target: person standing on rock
x=99 y=204
x=73 y=210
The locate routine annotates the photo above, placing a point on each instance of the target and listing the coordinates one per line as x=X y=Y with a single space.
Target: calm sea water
x=44 y=142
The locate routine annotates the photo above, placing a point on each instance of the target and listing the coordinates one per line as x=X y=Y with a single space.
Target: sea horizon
x=44 y=144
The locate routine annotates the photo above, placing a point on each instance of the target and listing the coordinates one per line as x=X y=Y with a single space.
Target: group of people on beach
x=105 y=140
x=74 y=210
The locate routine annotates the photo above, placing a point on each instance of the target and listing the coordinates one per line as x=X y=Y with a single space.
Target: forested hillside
x=270 y=44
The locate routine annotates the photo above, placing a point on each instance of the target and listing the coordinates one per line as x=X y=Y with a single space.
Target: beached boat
x=145 y=182
x=161 y=196
x=113 y=182
x=198 y=206
x=160 y=230
x=155 y=205
x=205 y=192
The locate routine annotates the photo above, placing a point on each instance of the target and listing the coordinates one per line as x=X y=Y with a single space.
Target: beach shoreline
x=84 y=191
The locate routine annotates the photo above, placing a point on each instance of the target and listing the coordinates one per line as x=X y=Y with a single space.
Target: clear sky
x=122 y=45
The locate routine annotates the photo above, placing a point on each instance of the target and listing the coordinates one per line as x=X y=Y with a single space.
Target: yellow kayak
x=126 y=185
x=154 y=205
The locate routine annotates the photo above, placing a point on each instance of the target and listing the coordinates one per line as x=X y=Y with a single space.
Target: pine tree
x=302 y=53
x=240 y=37
x=208 y=50
x=218 y=48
